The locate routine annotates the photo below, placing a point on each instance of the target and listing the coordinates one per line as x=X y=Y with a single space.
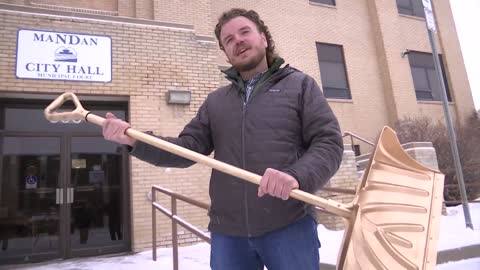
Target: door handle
x=59 y=196
x=70 y=193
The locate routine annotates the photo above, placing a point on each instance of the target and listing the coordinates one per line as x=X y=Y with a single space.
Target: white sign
x=63 y=56
x=427 y=7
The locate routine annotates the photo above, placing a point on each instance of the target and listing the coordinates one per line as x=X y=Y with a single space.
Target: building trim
x=412 y=17
x=339 y=100
x=206 y=39
x=94 y=17
x=74 y=9
x=50 y=96
x=438 y=102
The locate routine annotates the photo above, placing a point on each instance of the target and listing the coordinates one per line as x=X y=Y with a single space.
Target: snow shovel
x=393 y=221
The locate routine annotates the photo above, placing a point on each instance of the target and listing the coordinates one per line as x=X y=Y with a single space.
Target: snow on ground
x=453 y=234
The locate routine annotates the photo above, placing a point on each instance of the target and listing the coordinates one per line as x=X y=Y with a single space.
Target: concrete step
x=362 y=161
x=458 y=254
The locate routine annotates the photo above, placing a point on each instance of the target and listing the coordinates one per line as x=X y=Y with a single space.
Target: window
x=332 y=71
x=326 y=2
x=411 y=7
x=427 y=86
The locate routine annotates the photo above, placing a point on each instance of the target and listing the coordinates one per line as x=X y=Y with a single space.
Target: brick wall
x=297 y=25
x=105 y=7
x=346 y=178
x=185 y=238
x=126 y=8
x=14 y=2
x=196 y=13
x=373 y=35
x=144 y=9
x=147 y=62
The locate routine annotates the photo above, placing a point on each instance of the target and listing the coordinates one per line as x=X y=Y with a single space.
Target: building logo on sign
x=63 y=56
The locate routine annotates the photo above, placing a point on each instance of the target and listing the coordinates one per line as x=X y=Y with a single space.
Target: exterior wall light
x=407 y=51
x=179 y=97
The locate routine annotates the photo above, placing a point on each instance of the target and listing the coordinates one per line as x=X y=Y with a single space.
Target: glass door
x=30 y=198
x=63 y=188
x=96 y=195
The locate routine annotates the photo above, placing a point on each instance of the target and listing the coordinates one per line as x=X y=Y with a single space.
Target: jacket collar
x=234 y=76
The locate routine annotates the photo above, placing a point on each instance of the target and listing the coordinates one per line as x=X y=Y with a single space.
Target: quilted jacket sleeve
x=322 y=140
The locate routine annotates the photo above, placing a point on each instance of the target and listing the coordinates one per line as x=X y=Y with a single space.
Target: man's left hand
x=277 y=184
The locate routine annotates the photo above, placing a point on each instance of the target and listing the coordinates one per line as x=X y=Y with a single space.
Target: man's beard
x=252 y=64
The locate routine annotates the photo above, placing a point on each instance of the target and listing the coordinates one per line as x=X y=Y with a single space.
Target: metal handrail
x=175 y=219
x=352 y=135
x=339 y=190
x=172 y=214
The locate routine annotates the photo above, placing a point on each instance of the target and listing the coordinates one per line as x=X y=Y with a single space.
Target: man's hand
x=277 y=184
x=114 y=130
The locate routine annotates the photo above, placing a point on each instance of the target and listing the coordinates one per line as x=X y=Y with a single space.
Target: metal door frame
x=104 y=102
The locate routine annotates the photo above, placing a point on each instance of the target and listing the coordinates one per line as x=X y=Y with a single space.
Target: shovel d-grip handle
x=80 y=113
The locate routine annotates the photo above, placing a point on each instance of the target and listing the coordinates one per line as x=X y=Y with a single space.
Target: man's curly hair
x=255 y=18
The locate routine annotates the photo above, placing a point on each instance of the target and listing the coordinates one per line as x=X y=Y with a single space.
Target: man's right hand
x=114 y=130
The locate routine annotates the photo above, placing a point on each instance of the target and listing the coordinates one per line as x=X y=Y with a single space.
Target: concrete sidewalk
x=458 y=254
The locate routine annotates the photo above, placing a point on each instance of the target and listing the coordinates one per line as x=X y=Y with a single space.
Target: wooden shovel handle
x=331 y=206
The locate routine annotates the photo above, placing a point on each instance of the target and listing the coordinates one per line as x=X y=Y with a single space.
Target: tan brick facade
x=346 y=178
x=175 y=59
x=373 y=36
x=169 y=45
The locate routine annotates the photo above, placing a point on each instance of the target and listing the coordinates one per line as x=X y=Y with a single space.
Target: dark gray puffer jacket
x=287 y=125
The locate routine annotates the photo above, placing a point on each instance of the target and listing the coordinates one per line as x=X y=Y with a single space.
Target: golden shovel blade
x=396 y=212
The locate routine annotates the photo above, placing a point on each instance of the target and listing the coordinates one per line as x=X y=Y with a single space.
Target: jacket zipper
x=244 y=163
x=245 y=195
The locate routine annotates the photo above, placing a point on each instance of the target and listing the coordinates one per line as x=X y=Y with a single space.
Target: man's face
x=244 y=46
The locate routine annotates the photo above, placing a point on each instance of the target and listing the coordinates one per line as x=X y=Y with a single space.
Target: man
x=273 y=121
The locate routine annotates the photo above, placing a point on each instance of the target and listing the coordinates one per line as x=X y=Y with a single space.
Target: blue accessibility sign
x=31 y=180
